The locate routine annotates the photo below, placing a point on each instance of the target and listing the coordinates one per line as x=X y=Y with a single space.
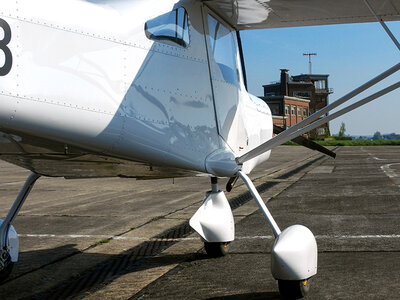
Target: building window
x=320 y=84
x=302 y=94
x=293 y=110
x=320 y=131
x=170 y=28
x=286 y=109
x=274 y=108
x=305 y=112
x=299 y=111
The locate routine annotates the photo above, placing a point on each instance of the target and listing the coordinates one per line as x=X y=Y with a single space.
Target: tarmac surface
x=126 y=239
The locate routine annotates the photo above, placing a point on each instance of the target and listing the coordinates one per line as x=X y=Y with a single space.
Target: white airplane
x=156 y=89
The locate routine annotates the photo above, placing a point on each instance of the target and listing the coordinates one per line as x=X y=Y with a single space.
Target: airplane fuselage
x=87 y=79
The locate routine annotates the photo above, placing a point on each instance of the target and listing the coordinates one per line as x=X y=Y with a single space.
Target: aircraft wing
x=257 y=14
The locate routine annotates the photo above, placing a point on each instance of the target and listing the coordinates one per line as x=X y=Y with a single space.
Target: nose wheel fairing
x=213 y=221
x=294 y=254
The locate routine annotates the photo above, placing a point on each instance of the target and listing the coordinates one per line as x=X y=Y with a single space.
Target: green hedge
x=343 y=138
x=360 y=143
x=353 y=143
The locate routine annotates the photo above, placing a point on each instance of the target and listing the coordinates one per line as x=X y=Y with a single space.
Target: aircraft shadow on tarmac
x=107 y=268
x=253 y=296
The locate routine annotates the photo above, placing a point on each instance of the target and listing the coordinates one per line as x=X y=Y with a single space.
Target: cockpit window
x=223 y=48
x=172 y=27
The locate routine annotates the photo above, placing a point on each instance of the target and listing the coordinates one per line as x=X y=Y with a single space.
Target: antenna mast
x=309 y=60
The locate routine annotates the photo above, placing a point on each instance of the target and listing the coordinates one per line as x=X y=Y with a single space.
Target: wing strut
x=302 y=127
x=380 y=20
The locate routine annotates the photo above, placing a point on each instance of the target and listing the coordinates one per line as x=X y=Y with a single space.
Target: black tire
x=293 y=289
x=6 y=272
x=216 y=249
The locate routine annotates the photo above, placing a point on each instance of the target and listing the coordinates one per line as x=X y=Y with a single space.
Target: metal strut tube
x=380 y=20
x=12 y=213
x=261 y=204
x=214 y=185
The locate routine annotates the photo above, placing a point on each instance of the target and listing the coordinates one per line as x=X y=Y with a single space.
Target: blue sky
x=352 y=54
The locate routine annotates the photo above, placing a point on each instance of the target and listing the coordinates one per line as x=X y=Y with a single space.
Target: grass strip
x=353 y=143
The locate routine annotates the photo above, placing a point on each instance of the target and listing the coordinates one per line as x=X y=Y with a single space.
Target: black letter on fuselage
x=4 y=70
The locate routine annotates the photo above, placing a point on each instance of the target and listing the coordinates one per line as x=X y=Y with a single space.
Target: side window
x=171 y=27
x=223 y=47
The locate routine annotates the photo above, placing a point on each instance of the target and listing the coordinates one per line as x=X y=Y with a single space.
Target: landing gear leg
x=294 y=254
x=8 y=236
x=214 y=222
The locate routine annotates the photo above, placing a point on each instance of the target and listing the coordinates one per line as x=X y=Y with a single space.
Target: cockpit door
x=226 y=79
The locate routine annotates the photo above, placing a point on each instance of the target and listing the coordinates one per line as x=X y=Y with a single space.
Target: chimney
x=284 y=82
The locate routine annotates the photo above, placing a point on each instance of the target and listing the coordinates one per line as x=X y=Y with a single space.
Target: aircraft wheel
x=6 y=272
x=293 y=289
x=216 y=249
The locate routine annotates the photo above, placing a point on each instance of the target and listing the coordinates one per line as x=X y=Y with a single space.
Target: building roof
x=272 y=84
x=300 y=82
x=302 y=77
x=290 y=82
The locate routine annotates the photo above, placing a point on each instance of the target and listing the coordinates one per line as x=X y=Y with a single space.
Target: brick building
x=287 y=111
x=318 y=93
x=294 y=98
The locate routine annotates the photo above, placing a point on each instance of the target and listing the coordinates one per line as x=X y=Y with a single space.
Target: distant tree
x=327 y=133
x=392 y=136
x=377 y=136
x=342 y=130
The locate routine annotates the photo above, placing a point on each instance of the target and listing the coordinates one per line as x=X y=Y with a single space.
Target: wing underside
x=257 y=14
